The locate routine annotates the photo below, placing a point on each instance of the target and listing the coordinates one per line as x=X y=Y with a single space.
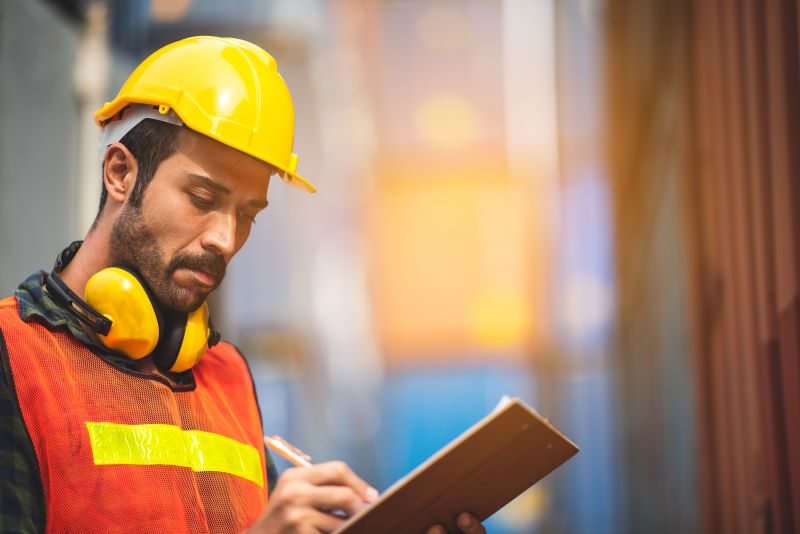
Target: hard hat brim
x=110 y=109
x=295 y=180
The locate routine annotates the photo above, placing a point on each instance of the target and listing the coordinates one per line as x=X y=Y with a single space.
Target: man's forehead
x=191 y=142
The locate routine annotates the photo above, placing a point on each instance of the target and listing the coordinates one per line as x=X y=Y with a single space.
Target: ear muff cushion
x=194 y=342
x=166 y=353
x=120 y=296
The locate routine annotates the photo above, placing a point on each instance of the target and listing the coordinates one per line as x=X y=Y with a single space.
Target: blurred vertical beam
x=579 y=377
x=734 y=414
x=701 y=252
x=719 y=394
x=721 y=146
x=758 y=193
x=341 y=309
x=647 y=82
x=529 y=84
x=783 y=78
x=740 y=348
x=90 y=76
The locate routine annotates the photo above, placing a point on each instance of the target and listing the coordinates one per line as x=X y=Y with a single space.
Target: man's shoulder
x=224 y=351
x=9 y=302
x=9 y=312
x=224 y=357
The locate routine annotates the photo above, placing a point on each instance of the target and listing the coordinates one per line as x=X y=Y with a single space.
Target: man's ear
x=119 y=172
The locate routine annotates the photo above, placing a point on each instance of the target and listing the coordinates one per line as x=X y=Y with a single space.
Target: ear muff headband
x=75 y=305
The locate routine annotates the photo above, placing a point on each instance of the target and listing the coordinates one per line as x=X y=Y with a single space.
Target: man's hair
x=151 y=142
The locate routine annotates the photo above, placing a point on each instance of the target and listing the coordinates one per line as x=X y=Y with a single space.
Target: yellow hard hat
x=227 y=89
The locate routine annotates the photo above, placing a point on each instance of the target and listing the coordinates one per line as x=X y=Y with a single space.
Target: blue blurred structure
x=423 y=409
x=587 y=483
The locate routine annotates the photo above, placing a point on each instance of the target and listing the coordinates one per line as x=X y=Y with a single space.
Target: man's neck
x=90 y=258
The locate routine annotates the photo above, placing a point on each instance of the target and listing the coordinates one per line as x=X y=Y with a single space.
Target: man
x=119 y=408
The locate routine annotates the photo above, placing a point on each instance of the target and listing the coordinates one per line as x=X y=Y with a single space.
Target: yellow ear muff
x=119 y=296
x=195 y=339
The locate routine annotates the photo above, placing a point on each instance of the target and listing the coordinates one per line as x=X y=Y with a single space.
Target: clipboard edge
x=468 y=433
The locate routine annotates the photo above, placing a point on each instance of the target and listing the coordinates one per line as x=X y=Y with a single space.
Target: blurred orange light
x=453 y=269
x=500 y=317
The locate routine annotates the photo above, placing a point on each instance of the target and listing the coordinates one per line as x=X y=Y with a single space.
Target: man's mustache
x=213 y=264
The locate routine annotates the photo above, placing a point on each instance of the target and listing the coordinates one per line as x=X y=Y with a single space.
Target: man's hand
x=465 y=522
x=305 y=498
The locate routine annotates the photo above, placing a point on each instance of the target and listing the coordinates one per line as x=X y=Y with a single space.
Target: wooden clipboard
x=479 y=472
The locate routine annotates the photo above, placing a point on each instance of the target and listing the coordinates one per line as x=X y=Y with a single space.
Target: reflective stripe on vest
x=120 y=452
x=114 y=444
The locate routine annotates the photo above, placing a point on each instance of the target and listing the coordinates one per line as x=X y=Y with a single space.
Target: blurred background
x=591 y=204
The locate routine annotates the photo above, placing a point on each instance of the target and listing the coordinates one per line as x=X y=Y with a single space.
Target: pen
x=288 y=451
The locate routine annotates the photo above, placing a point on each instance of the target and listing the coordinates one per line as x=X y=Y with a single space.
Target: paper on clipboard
x=479 y=472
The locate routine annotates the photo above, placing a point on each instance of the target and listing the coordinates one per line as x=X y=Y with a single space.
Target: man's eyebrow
x=219 y=188
x=208 y=182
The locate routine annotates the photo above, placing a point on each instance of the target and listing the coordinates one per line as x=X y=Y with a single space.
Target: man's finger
x=337 y=474
x=336 y=498
x=314 y=520
x=469 y=525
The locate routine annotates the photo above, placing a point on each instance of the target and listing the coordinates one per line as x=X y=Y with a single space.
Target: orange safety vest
x=121 y=452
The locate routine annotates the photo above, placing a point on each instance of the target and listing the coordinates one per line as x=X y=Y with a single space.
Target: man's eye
x=201 y=202
x=247 y=217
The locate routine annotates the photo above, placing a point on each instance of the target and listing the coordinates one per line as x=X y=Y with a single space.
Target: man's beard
x=131 y=244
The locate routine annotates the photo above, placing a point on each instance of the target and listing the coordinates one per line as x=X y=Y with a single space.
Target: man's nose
x=221 y=235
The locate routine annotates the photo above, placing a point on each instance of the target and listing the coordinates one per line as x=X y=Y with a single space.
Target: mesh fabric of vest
x=61 y=385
